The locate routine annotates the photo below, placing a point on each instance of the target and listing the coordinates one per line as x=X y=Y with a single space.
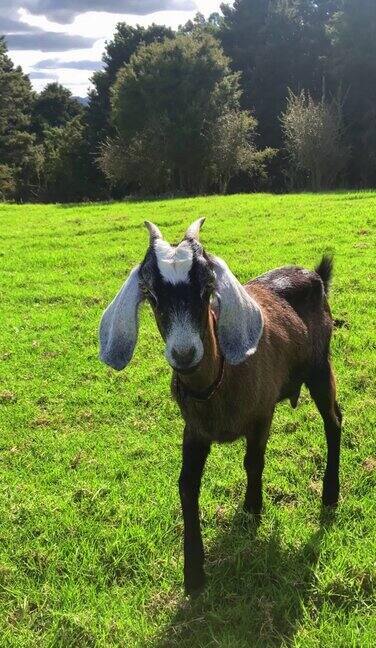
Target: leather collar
x=207 y=393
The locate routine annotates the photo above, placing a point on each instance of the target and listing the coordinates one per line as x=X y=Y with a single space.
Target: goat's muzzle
x=183 y=359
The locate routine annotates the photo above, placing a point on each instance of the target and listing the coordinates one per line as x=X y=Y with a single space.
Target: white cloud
x=43 y=75
x=58 y=64
x=64 y=11
x=45 y=41
x=96 y=25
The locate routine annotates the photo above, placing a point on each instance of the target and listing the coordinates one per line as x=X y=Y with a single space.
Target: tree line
x=269 y=94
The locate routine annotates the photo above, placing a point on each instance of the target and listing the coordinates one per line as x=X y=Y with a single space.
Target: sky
x=63 y=40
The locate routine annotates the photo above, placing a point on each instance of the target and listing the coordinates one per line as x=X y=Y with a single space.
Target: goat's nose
x=183 y=358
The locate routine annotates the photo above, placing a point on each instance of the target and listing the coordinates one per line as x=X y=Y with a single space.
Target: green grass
x=90 y=524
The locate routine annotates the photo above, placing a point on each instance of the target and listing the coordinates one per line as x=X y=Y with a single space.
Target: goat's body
x=294 y=306
x=293 y=349
x=236 y=351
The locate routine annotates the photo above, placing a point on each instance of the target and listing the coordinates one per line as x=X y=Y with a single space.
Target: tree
x=117 y=53
x=314 y=139
x=140 y=164
x=20 y=159
x=169 y=104
x=201 y=24
x=276 y=45
x=54 y=107
x=7 y=182
x=233 y=151
x=352 y=65
x=65 y=176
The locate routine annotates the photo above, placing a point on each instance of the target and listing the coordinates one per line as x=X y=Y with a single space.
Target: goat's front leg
x=195 y=452
x=254 y=465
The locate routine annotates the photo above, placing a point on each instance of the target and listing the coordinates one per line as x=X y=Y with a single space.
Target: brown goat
x=236 y=352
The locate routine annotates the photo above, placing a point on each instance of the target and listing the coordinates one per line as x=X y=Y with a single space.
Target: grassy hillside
x=90 y=525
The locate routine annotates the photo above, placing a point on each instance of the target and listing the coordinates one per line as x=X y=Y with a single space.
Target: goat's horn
x=154 y=231
x=193 y=230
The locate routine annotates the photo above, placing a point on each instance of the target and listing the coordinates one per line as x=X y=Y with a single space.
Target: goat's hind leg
x=322 y=387
x=254 y=465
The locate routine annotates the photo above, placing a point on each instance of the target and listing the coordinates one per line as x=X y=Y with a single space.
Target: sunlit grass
x=90 y=526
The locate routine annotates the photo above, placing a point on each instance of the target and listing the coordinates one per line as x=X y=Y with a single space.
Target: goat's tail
x=325 y=270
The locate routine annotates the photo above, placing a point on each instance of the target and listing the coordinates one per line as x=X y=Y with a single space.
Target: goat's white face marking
x=176 y=277
x=182 y=337
x=174 y=263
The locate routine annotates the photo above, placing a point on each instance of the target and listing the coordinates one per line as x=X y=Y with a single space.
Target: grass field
x=90 y=525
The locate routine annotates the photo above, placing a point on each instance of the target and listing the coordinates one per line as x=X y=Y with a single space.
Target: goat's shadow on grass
x=256 y=593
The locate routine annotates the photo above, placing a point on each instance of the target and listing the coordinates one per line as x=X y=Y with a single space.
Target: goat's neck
x=209 y=368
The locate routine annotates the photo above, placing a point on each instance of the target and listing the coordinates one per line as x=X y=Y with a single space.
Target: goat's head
x=181 y=282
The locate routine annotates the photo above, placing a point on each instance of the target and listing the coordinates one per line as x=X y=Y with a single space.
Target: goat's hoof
x=330 y=500
x=330 y=495
x=252 y=509
x=194 y=582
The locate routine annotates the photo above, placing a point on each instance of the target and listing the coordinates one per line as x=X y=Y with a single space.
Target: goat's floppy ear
x=118 y=329
x=240 y=320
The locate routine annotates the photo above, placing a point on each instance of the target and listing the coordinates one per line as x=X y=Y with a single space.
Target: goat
x=235 y=351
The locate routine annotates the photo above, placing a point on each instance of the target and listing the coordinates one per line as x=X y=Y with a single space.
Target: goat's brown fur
x=291 y=346
x=293 y=349
x=233 y=364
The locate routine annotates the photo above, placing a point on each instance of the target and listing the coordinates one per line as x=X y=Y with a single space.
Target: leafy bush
x=313 y=136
